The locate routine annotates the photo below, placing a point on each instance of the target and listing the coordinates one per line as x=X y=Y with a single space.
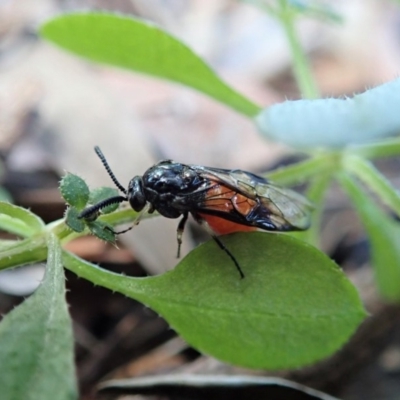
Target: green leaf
x=141 y=46
x=36 y=350
x=384 y=234
x=335 y=123
x=294 y=306
x=102 y=230
x=74 y=190
x=19 y=220
x=102 y=193
x=72 y=220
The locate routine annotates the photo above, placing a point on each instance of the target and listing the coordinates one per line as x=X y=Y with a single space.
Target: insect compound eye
x=136 y=195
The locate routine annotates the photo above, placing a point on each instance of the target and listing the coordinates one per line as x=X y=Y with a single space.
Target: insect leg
x=179 y=232
x=135 y=222
x=119 y=232
x=222 y=247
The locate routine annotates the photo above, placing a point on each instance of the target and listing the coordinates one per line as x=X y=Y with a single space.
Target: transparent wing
x=253 y=200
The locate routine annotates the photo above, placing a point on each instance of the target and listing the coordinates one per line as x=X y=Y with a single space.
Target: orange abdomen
x=222 y=226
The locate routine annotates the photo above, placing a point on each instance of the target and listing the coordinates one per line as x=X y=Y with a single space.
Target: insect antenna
x=87 y=213
x=108 y=169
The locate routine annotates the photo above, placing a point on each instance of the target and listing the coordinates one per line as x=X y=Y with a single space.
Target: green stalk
x=366 y=172
x=129 y=286
x=301 y=65
x=34 y=248
x=304 y=170
x=316 y=194
x=24 y=252
x=387 y=148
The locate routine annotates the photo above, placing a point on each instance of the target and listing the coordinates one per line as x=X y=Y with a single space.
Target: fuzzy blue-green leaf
x=143 y=47
x=74 y=190
x=19 y=220
x=335 y=123
x=36 y=346
x=294 y=307
x=384 y=234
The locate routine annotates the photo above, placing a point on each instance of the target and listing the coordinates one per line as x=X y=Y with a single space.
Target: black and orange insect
x=223 y=200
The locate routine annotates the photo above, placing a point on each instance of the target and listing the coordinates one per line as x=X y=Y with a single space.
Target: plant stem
x=24 y=252
x=366 y=172
x=301 y=65
x=387 y=148
x=130 y=286
x=316 y=193
x=264 y=6
x=304 y=170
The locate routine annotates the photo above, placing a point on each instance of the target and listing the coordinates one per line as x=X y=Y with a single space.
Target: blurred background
x=55 y=107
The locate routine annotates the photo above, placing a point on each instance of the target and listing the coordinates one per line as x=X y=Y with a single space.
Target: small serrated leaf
x=102 y=230
x=74 y=190
x=102 y=193
x=72 y=220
